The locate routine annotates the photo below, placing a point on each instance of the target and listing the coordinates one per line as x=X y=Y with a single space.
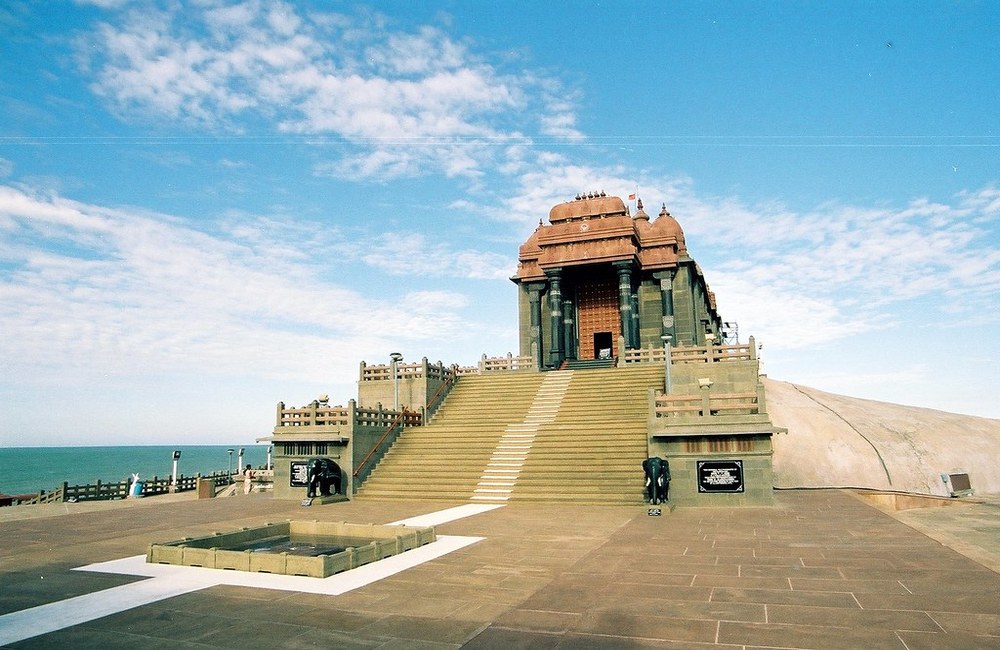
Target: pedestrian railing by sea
x=101 y=491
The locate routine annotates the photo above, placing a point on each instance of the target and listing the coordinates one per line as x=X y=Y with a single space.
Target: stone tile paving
x=821 y=569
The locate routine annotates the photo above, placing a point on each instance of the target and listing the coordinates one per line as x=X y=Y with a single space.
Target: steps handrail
x=398 y=422
x=434 y=401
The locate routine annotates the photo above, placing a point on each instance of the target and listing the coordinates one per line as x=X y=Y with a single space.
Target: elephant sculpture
x=657 y=472
x=323 y=474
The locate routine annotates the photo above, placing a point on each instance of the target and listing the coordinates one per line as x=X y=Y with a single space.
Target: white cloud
x=413 y=102
x=412 y=254
x=91 y=290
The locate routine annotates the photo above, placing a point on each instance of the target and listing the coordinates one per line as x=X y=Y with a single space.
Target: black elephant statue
x=324 y=476
x=657 y=472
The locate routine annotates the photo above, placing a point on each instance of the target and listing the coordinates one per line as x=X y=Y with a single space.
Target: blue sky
x=208 y=207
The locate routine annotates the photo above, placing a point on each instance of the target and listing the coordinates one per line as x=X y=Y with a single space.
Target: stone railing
x=707 y=404
x=318 y=414
x=508 y=363
x=416 y=370
x=693 y=354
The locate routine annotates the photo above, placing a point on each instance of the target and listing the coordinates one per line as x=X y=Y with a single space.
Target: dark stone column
x=636 y=339
x=624 y=270
x=535 y=317
x=555 y=312
x=569 y=329
x=697 y=333
x=666 y=279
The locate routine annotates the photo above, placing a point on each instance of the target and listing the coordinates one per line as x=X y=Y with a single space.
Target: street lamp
x=396 y=357
x=230 y=474
x=173 y=475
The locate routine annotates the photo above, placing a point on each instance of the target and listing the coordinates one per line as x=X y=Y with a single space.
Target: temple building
x=596 y=280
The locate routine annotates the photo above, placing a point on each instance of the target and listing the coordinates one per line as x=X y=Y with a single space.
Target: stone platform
x=820 y=569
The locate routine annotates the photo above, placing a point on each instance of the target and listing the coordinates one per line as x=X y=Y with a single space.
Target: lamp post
x=230 y=474
x=239 y=463
x=173 y=474
x=395 y=358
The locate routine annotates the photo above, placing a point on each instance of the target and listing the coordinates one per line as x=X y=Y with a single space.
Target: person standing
x=247 y=480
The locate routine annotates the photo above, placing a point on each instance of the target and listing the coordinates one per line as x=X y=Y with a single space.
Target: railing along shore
x=109 y=491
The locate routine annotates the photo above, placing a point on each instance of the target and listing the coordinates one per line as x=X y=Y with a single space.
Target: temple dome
x=593 y=205
x=666 y=226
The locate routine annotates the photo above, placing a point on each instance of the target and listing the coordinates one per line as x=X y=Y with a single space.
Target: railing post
x=705 y=385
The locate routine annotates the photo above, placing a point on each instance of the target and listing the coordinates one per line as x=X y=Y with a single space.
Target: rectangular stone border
x=210 y=551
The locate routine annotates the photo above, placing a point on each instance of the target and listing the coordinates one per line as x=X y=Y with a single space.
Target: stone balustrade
x=317 y=414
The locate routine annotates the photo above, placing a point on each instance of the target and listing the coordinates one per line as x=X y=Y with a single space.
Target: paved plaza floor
x=820 y=569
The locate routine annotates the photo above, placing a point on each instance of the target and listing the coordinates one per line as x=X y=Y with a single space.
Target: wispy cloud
x=414 y=102
x=92 y=289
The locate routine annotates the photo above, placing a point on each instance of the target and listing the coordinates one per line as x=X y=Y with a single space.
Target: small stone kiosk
x=335 y=447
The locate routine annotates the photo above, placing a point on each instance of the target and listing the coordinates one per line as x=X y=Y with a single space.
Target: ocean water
x=25 y=470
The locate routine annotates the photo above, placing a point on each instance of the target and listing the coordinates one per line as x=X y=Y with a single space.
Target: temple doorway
x=604 y=345
x=598 y=316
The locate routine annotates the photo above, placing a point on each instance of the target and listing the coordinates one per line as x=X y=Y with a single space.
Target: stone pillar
x=535 y=321
x=624 y=270
x=569 y=329
x=636 y=338
x=666 y=279
x=697 y=329
x=555 y=312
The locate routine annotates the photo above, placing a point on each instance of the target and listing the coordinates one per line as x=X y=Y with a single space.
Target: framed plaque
x=299 y=474
x=720 y=476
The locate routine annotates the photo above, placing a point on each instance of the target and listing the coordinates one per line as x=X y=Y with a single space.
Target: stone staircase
x=564 y=436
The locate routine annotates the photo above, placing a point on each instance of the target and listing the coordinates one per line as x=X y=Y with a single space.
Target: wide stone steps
x=569 y=436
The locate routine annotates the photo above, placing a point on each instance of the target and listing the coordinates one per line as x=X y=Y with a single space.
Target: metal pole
x=395 y=357
x=230 y=473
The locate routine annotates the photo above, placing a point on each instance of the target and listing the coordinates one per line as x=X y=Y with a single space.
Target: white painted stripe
x=28 y=623
x=491 y=491
x=443 y=516
x=170 y=580
x=488 y=498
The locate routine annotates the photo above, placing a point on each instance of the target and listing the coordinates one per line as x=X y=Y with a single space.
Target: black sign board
x=299 y=475
x=720 y=475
